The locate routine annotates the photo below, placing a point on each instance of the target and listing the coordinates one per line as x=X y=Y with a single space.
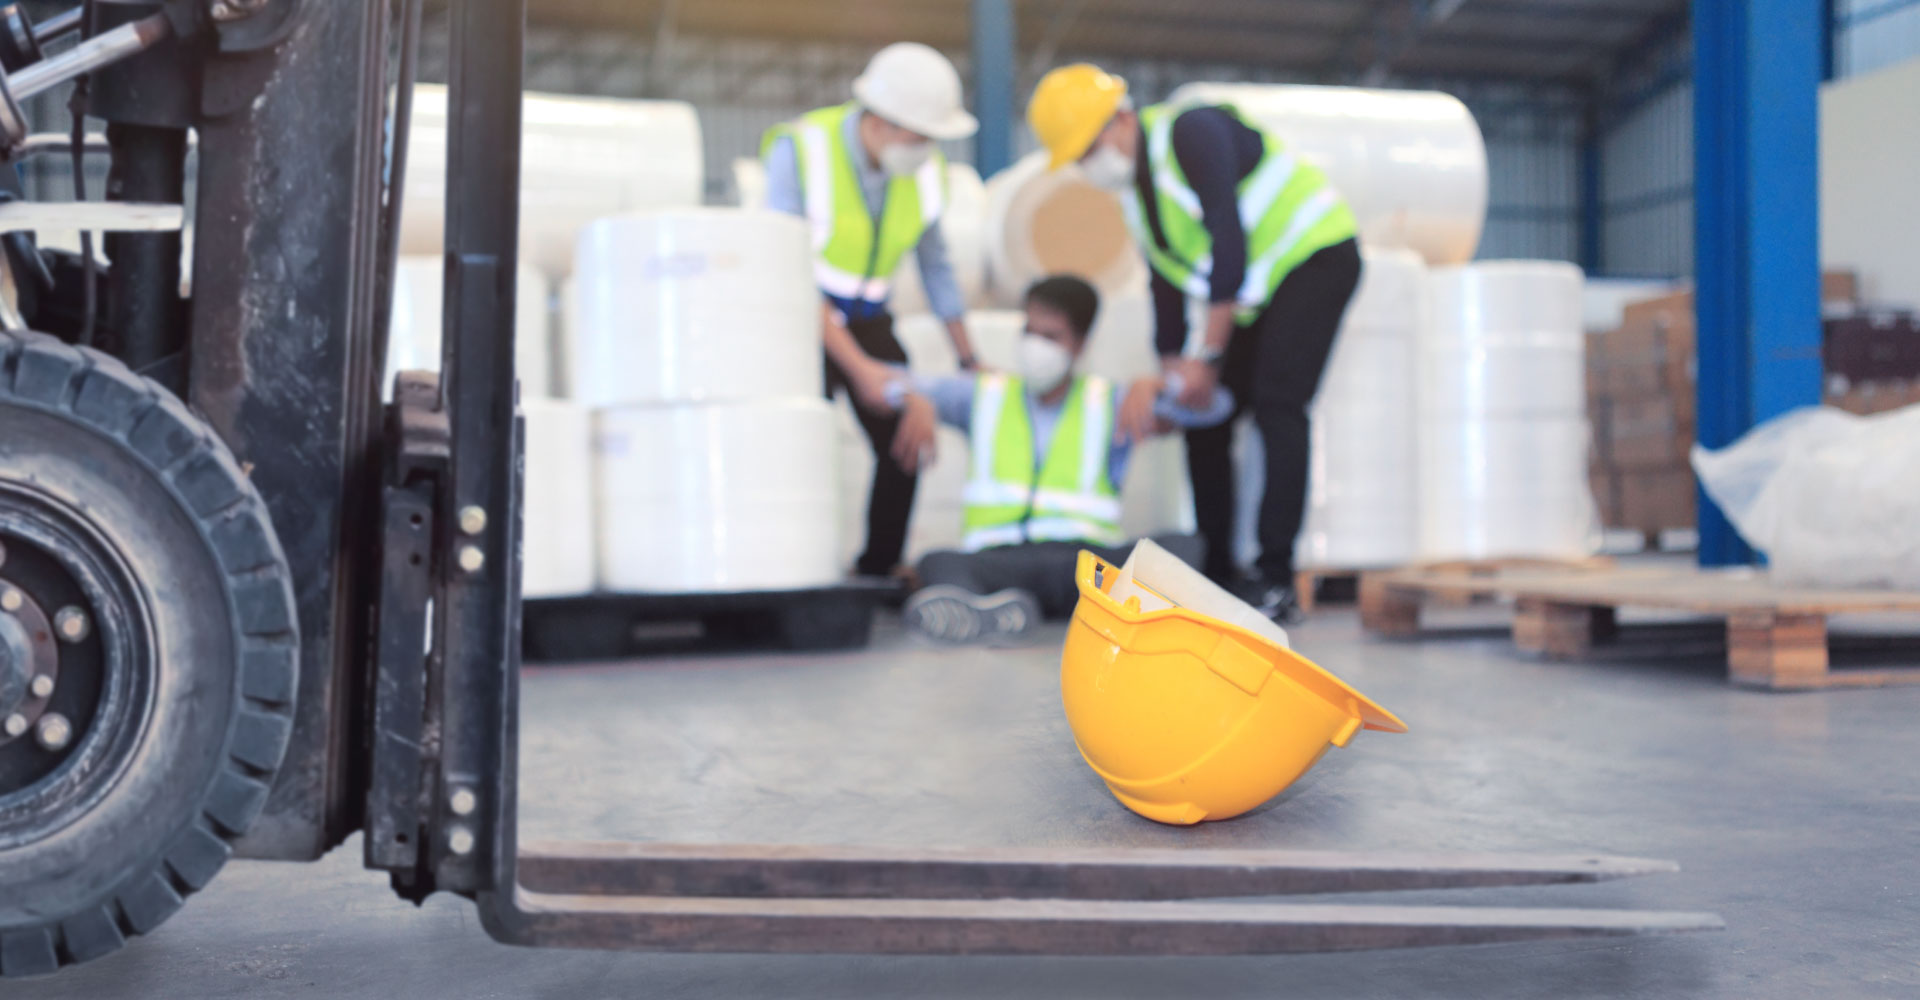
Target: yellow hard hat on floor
x=1189 y=718
x=1070 y=107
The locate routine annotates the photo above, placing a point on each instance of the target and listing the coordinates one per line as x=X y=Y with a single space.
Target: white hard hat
x=915 y=87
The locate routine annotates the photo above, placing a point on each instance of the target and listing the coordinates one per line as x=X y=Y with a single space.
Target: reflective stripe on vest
x=1070 y=498
x=846 y=263
x=1288 y=210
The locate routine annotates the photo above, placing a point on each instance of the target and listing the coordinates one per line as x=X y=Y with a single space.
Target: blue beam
x=993 y=78
x=1756 y=237
x=1592 y=213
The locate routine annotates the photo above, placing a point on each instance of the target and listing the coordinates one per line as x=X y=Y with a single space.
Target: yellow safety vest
x=1287 y=206
x=1011 y=497
x=853 y=258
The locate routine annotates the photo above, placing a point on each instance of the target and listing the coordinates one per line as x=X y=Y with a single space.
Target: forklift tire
x=129 y=521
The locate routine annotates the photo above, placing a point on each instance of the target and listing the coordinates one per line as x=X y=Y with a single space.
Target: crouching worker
x=1049 y=452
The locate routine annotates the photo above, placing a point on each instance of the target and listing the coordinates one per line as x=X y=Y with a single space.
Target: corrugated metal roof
x=1561 y=41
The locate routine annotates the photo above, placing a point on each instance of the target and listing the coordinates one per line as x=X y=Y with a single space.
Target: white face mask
x=1043 y=363
x=903 y=158
x=1108 y=168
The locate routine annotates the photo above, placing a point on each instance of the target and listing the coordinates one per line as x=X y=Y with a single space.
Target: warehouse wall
x=1646 y=189
x=1533 y=207
x=1647 y=174
x=1869 y=200
x=1873 y=34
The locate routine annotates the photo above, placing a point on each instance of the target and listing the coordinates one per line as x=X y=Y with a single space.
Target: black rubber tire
x=166 y=494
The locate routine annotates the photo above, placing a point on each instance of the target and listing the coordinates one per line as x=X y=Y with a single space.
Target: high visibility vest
x=1287 y=207
x=852 y=257
x=1069 y=497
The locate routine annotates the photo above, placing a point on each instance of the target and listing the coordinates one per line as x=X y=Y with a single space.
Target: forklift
x=247 y=609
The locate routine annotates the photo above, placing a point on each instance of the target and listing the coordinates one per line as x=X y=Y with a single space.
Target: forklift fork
x=441 y=790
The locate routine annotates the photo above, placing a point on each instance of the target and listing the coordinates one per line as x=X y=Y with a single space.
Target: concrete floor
x=1794 y=816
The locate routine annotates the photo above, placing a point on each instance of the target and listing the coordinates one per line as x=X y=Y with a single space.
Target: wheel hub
x=29 y=668
x=16 y=664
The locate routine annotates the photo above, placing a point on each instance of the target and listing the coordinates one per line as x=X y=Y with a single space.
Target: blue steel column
x=993 y=77
x=1592 y=212
x=1757 y=66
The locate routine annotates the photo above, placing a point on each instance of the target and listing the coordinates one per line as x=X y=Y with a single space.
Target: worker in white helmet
x=870 y=180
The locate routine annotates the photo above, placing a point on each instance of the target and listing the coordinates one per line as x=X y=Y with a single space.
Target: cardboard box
x=1650 y=432
x=1839 y=288
x=1667 y=310
x=1606 y=493
x=1657 y=500
x=1872 y=347
x=1866 y=398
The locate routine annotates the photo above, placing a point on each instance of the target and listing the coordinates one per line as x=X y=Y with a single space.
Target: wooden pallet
x=1776 y=634
x=1307 y=582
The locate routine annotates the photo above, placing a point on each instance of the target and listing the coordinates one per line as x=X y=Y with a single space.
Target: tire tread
x=181 y=451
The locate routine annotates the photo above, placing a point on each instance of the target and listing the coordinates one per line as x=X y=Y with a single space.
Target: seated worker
x=1049 y=451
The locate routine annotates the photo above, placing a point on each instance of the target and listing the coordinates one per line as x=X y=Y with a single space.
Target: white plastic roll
x=557 y=543
x=580 y=158
x=1503 y=432
x=960 y=224
x=1412 y=164
x=1507 y=340
x=1363 y=489
x=414 y=340
x=720 y=497
x=694 y=305
x=1041 y=222
x=749 y=182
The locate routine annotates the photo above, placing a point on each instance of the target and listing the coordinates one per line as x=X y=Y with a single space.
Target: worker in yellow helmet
x=1225 y=214
x=869 y=179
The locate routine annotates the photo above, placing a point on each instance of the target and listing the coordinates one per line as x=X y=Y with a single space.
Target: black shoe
x=1277 y=601
x=956 y=617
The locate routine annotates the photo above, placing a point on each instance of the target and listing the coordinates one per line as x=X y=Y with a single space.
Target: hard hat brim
x=1308 y=674
x=958 y=124
x=1071 y=152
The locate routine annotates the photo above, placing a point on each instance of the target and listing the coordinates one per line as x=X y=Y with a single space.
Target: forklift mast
x=263 y=611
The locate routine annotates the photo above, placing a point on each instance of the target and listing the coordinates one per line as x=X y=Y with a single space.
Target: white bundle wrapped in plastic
x=718 y=497
x=694 y=305
x=557 y=537
x=1831 y=498
x=580 y=158
x=413 y=342
x=1362 y=497
x=1502 y=433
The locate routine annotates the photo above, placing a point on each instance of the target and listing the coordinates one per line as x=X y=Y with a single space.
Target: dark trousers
x=1273 y=366
x=890 y=502
x=1043 y=569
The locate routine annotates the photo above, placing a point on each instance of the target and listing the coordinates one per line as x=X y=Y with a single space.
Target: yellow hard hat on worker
x=1070 y=107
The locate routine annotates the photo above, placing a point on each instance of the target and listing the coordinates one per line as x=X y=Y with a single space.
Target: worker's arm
x=1213 y=151
x=924 y=402
x=1154 y=405
x=865 y=376
x=951 y=395
x=783 y=178
x=943 y=291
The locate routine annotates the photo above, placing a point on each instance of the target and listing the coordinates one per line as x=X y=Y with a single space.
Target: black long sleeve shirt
x=1216 y=151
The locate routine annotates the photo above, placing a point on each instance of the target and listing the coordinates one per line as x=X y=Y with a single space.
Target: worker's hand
x=913 y=440
x=1137 y=421
x=1198 y=380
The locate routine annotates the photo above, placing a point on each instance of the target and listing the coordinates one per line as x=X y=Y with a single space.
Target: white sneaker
x=950 y=615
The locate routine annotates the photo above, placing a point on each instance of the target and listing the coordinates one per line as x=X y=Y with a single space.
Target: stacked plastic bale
x=695 y=339
x=1503 y=432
